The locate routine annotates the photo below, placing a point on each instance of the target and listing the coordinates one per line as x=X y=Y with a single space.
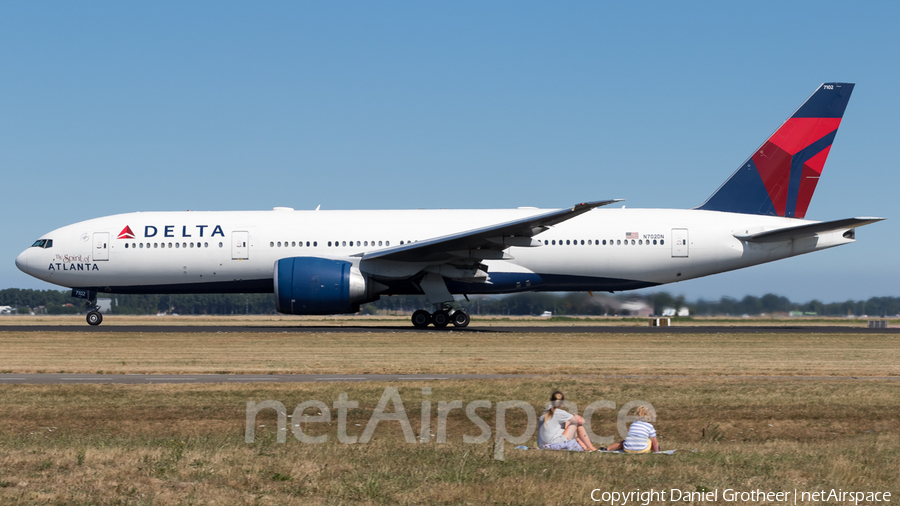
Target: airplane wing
x=789 y=233
x=483 y=243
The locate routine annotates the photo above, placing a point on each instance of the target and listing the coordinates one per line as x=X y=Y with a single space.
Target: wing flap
x=789 y=233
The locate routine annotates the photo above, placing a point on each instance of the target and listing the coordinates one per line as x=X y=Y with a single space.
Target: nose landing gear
x=94 y=317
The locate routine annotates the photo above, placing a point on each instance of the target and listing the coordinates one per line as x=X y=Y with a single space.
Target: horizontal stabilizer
x=789 y=233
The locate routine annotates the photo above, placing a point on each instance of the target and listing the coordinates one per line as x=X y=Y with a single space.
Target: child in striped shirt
x=641 y=435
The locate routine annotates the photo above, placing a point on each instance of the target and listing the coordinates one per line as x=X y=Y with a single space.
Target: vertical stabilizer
x=780 y=177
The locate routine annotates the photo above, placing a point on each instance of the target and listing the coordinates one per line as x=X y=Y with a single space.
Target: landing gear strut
x=443 y=315
x=94 y=317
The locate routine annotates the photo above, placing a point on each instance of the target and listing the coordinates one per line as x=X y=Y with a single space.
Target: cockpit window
x=43 y=243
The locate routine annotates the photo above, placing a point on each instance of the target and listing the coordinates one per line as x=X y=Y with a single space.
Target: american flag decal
x=631 y=235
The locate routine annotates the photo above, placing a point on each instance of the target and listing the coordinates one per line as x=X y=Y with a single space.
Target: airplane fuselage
x=235 y=252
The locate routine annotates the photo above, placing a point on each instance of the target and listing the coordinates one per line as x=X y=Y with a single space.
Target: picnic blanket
x=621 y=452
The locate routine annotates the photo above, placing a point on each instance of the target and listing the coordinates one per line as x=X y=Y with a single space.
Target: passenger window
x=387 y=243
x=315 y=243
x=379 y=243
x=661 y=242
x=604 y=242
x=618 y=241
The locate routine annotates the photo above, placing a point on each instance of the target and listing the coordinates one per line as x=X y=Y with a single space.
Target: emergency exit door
x=679 y=242
x=101 y=246
x=240 y=246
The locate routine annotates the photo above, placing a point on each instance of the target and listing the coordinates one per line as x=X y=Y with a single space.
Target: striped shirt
x=638 y=434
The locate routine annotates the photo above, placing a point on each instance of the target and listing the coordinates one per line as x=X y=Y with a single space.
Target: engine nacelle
x=311 y=285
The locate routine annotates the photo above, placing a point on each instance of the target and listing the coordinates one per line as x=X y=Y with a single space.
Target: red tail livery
x=780 y=177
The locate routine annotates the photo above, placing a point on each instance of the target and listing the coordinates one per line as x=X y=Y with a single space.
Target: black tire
x=460 y=319
x=94 y=318
x=440 y=319
x=421 y=319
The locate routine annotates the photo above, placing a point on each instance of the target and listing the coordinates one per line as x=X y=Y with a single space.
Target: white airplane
x=330 y=262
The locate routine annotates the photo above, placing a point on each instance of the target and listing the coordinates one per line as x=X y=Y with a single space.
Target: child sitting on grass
x=641 y=435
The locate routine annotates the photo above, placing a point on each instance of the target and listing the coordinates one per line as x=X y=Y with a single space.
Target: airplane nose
x=22 y=261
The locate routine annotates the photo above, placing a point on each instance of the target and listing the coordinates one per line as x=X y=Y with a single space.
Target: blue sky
x=125 y=106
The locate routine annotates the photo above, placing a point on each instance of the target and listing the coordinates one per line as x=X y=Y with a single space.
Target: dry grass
x=168 y=444
x=184 y=444
x=452 y=353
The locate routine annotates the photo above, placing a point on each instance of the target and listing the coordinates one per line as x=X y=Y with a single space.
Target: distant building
x=105 y=305
x=670 y=311
x=636 y=308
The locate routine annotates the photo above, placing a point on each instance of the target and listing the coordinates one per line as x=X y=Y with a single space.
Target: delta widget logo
x=126 y=233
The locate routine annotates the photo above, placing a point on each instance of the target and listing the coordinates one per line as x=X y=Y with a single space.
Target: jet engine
x=311 y=285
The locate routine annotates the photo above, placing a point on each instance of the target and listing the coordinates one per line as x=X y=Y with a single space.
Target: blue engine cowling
x=311 y=285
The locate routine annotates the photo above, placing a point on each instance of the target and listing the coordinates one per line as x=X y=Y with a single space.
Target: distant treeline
x=60 y=302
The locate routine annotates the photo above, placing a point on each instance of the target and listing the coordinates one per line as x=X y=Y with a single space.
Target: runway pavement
x=146 y=379
x=531 y=329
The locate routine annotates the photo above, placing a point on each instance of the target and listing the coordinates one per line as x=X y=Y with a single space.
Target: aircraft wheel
x=440 y=319
x=94 y=318
x=421 y=318
x=460 y=319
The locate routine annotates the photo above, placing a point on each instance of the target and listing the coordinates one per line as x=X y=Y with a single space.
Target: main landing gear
x=443 y=316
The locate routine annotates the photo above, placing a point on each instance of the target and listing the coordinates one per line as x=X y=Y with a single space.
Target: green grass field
x=184 y=444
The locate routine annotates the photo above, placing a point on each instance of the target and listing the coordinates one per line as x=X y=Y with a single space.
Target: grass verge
x=164 y=444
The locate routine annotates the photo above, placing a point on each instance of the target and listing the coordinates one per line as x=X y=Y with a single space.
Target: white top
x=551 y=431
x=638 y=434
